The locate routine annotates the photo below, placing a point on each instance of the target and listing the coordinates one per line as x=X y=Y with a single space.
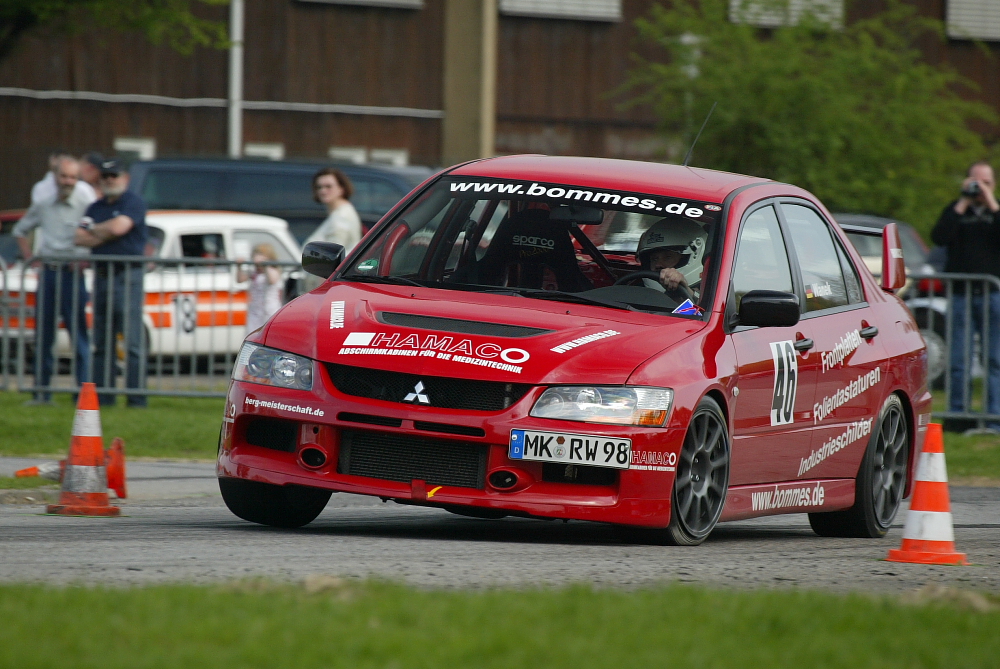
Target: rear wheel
x=275 y=505
x=881 y=481
x=702 y=477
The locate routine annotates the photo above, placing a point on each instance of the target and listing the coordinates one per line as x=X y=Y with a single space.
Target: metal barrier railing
x=170 y=326
x=969 y=305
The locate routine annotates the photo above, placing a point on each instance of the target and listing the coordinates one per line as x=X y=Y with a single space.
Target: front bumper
x=325 y=420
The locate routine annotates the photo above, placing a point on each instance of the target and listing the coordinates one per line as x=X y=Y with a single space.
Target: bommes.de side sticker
x=786 y=381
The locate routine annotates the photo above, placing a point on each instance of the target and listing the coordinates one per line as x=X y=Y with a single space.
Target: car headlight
x=259 y=364
x=611 y=405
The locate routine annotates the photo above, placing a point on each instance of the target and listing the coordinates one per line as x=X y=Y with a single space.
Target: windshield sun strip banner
x=583 y=196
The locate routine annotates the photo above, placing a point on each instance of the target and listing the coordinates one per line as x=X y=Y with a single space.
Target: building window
x=774 y=13
x=136 y=148
x=268 y=150
x=585 y=10
x=400 y=4
x=349 y=154
x=974 y=19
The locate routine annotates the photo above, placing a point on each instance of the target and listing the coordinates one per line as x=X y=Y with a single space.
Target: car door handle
x=868 y=332
x=803 y=344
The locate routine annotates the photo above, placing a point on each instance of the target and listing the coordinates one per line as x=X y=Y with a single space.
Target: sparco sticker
x=786 y=381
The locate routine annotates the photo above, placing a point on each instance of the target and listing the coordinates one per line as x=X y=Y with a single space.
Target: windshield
x=549 y=241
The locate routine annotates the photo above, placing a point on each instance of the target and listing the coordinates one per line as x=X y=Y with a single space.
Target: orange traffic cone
x=85 y=481
x=115 y=462
x=49 y=470
x=928 y=537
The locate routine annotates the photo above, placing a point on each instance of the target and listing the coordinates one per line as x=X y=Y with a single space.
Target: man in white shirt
x=61 y=285
x=46 y=188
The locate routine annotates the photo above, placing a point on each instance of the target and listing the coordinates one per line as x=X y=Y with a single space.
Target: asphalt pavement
x=175 y=527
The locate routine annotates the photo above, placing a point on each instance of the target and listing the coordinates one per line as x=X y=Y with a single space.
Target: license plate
x=571 y=449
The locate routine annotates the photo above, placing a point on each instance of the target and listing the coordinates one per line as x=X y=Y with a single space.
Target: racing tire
x=275 y=505
x=702 y=477
x=880 y=482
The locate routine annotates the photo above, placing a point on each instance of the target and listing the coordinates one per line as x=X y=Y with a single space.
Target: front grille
x=457 y=325
x=447 y=428
x=441 y=391
x=400 y=457
x=385 y=421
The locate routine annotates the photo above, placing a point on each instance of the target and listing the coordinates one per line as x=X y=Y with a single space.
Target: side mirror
x=893 y=266
x=322 y=258
x=769 y=308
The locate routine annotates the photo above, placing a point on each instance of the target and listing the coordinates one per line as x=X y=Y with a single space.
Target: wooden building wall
x=555 y=84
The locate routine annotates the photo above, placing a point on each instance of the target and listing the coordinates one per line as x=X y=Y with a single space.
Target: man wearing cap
x=61 y=286
x=116 y=226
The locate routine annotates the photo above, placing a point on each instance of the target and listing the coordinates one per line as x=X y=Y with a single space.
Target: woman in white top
x=333 y=189
x=264 y=291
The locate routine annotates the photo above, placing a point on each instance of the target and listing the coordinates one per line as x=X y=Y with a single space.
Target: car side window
x=761 y=259
x=854 y=292
x=244 y=242
x=209 y=245
x=822 y=277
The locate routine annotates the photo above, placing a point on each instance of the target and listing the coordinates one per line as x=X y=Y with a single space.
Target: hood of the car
x=472 y=335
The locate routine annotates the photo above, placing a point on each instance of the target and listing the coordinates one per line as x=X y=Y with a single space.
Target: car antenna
x=687 y=158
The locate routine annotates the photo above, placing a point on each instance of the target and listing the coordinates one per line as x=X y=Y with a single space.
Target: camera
x=972 y=190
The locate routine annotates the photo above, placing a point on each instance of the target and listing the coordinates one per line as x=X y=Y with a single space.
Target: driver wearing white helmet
x=666 y=247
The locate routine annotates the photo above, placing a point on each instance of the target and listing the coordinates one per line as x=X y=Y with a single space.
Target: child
x=264 y=291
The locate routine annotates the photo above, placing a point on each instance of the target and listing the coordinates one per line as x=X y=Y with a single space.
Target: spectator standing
x=45 y=189
x=61 y=288
x=333 y=189
x=970 y=229
x=264 y=292
x=117 y=228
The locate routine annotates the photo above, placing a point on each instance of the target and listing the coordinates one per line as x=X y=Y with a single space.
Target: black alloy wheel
x=880 y=482
x=274 y=505
x=702 y=478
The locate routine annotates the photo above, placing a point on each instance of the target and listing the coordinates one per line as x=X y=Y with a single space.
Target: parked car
x=925 y=298
x=478 y=352
x=190 y=309
x=274 y=188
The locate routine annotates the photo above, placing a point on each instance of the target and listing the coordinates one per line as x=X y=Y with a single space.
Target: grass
x=171 y=427
x=972 y=457
x=364 y=624
x=7 y=483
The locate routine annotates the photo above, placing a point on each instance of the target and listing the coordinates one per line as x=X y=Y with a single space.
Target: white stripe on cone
x=82 y=478
x=87 y=423
x=931 y=467
x=928 y=526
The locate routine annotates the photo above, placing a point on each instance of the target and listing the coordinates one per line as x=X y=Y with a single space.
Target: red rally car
x=643 y=344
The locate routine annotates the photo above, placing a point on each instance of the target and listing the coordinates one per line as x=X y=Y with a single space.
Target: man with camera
x=970 y=229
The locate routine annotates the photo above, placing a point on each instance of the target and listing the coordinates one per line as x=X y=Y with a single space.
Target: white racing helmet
x=676 y=234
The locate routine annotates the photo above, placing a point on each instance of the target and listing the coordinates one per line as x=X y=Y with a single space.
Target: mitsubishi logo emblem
x=418 y=394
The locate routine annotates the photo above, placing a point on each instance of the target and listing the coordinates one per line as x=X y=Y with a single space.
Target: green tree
x=173 y=22
x=852 y=113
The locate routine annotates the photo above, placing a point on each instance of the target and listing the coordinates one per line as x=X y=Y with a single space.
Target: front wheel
x=274 y=505
x=702 y=477
x=880 y=483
